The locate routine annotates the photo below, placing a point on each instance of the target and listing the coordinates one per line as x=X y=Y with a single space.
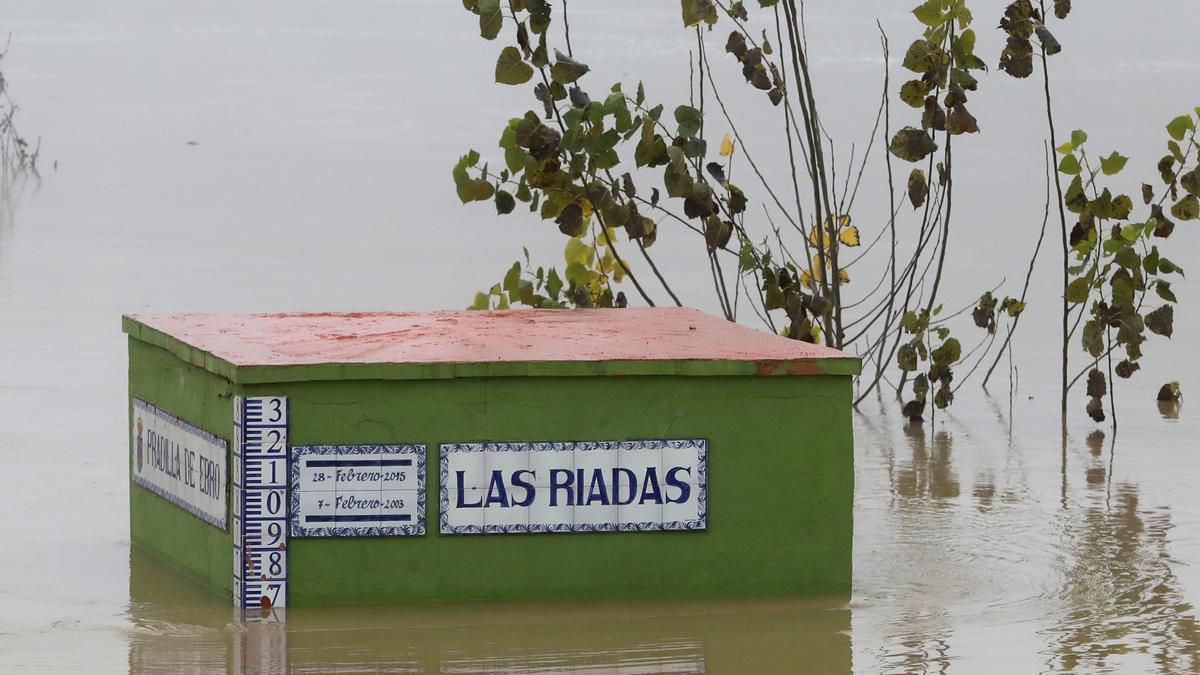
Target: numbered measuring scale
x=260 y=469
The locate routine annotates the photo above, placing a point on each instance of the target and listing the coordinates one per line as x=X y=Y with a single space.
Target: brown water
x=985 y=542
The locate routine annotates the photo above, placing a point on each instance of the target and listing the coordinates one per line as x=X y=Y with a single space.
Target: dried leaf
x=918 y=187
x=1096 y=386
x=1161 y=321
x=912 y=145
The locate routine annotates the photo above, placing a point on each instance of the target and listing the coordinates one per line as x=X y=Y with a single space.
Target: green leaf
x=1078 y=137
x=539 y=16
x=514 y=156
x=1093 y=338
x=504 y=202
x=1190 y=181
x=554 y=284
x=1163 y=288
x=1187 y=208
x=1167 y=267
x=565 y=69
x=924 y=56
x=911 y=144
x=1179 y=127
x=929 y=13
x=1017 y=57
x=914 y=92
x=1069 y=165
x=1049 y=42
x=511 y=68
x=490 y=18
x=948 y=353
x=512 y=278
x=1128 y=258
x=570 y=221
x=1161 y=321
x=1126 y=368
x=689 y=120
x=1122 y=206
x=1078 y=290
x=1113 y=163
x=578 y=274
x=695 y=11
x=481 y=301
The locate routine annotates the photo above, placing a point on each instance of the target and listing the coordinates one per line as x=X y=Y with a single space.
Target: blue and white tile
x=683 y=516
x=505 y=458
x=454 y=517
x=398 y=502
x=315 y=503
x=640 y=516
x=500 y=520
x=546 y=518
x=401 y=477
x=639 y=459
x=358 y=508
x=690 y=457
x=595 y=517
x=473 y=466
x=543 y=460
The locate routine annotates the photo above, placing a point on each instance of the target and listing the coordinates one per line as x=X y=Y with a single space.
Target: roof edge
x=264 y=374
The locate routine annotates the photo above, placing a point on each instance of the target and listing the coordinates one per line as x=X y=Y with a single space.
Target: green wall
x=166 y=530
x=780 y=484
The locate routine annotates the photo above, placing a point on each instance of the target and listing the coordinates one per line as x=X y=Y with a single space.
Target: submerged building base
x=449 y=456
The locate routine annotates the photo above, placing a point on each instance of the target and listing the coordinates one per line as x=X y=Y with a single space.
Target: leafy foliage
x=1117 y=259
x=943 y=58
x=608 y=167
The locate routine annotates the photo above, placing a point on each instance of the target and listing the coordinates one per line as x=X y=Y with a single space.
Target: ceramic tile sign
x=358 y=491
x=592 y=486
x=179 y=462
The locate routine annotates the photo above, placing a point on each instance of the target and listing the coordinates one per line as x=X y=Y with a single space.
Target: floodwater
x=268 y=155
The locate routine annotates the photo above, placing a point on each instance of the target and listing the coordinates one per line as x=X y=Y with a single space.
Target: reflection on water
x=178 y=626
x=1119 y=593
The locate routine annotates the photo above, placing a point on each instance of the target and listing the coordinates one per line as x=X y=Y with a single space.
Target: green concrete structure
x=770 y=495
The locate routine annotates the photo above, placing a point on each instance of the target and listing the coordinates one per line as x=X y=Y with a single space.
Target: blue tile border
x=416 y=528
x=700 y=523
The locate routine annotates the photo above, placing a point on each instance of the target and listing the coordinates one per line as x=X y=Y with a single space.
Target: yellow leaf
x=816 y=333
x=726 y=146
x=815 y=234
x=578 y=251
x=843 y=278
x=805 y=278
x=849 y=236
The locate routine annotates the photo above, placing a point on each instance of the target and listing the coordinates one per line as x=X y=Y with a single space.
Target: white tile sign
x=593 y=486
x=358 y=490
x=179 y=462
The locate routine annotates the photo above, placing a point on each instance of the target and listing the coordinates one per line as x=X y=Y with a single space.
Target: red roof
x=634 y=334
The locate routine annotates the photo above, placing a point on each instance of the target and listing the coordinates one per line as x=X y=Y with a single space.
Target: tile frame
x=415 y=528
x=699 y=524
